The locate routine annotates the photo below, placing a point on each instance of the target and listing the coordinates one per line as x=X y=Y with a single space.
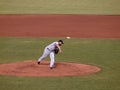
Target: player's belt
x=48 y=49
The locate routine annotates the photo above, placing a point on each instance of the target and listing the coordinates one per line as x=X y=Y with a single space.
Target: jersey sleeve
x=56 y=43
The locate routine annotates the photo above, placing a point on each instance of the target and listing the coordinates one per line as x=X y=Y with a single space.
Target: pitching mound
x=31 y=68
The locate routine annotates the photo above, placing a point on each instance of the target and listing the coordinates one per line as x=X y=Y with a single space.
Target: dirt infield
x=85 y=26
x=31 y=68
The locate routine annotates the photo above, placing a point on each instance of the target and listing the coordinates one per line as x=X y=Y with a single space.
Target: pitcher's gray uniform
x=49 y=50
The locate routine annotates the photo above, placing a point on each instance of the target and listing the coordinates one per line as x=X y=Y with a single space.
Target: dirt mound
x=31 y=68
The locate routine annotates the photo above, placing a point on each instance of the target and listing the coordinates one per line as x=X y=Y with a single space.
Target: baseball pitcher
x=51 y=49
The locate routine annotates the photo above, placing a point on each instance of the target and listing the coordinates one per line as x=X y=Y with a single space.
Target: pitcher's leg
x=51 y=59
x=45 y=54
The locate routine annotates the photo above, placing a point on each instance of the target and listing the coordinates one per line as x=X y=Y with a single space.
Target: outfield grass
x=104 y=53
x=107 y=7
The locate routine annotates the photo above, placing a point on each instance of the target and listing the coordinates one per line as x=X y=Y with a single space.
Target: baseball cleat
x=51 y=67
x=38 y=62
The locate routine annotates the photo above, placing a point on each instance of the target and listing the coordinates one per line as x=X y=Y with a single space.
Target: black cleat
x=38 y=62
x=51 y=67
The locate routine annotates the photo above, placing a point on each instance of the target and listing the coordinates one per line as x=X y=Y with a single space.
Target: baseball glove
x=56 y=50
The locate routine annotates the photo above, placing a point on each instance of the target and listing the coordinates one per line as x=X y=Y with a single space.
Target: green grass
x=104 y=53
x=107 y=7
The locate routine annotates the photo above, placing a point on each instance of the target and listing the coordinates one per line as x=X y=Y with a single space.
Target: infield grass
x=103 y=7
x=104 y=53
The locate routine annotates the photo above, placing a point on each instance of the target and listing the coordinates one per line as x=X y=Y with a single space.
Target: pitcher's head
x=60 y=42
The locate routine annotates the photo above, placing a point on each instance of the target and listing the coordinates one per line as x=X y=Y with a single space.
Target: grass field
x=107 y=7
x=104 y=53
